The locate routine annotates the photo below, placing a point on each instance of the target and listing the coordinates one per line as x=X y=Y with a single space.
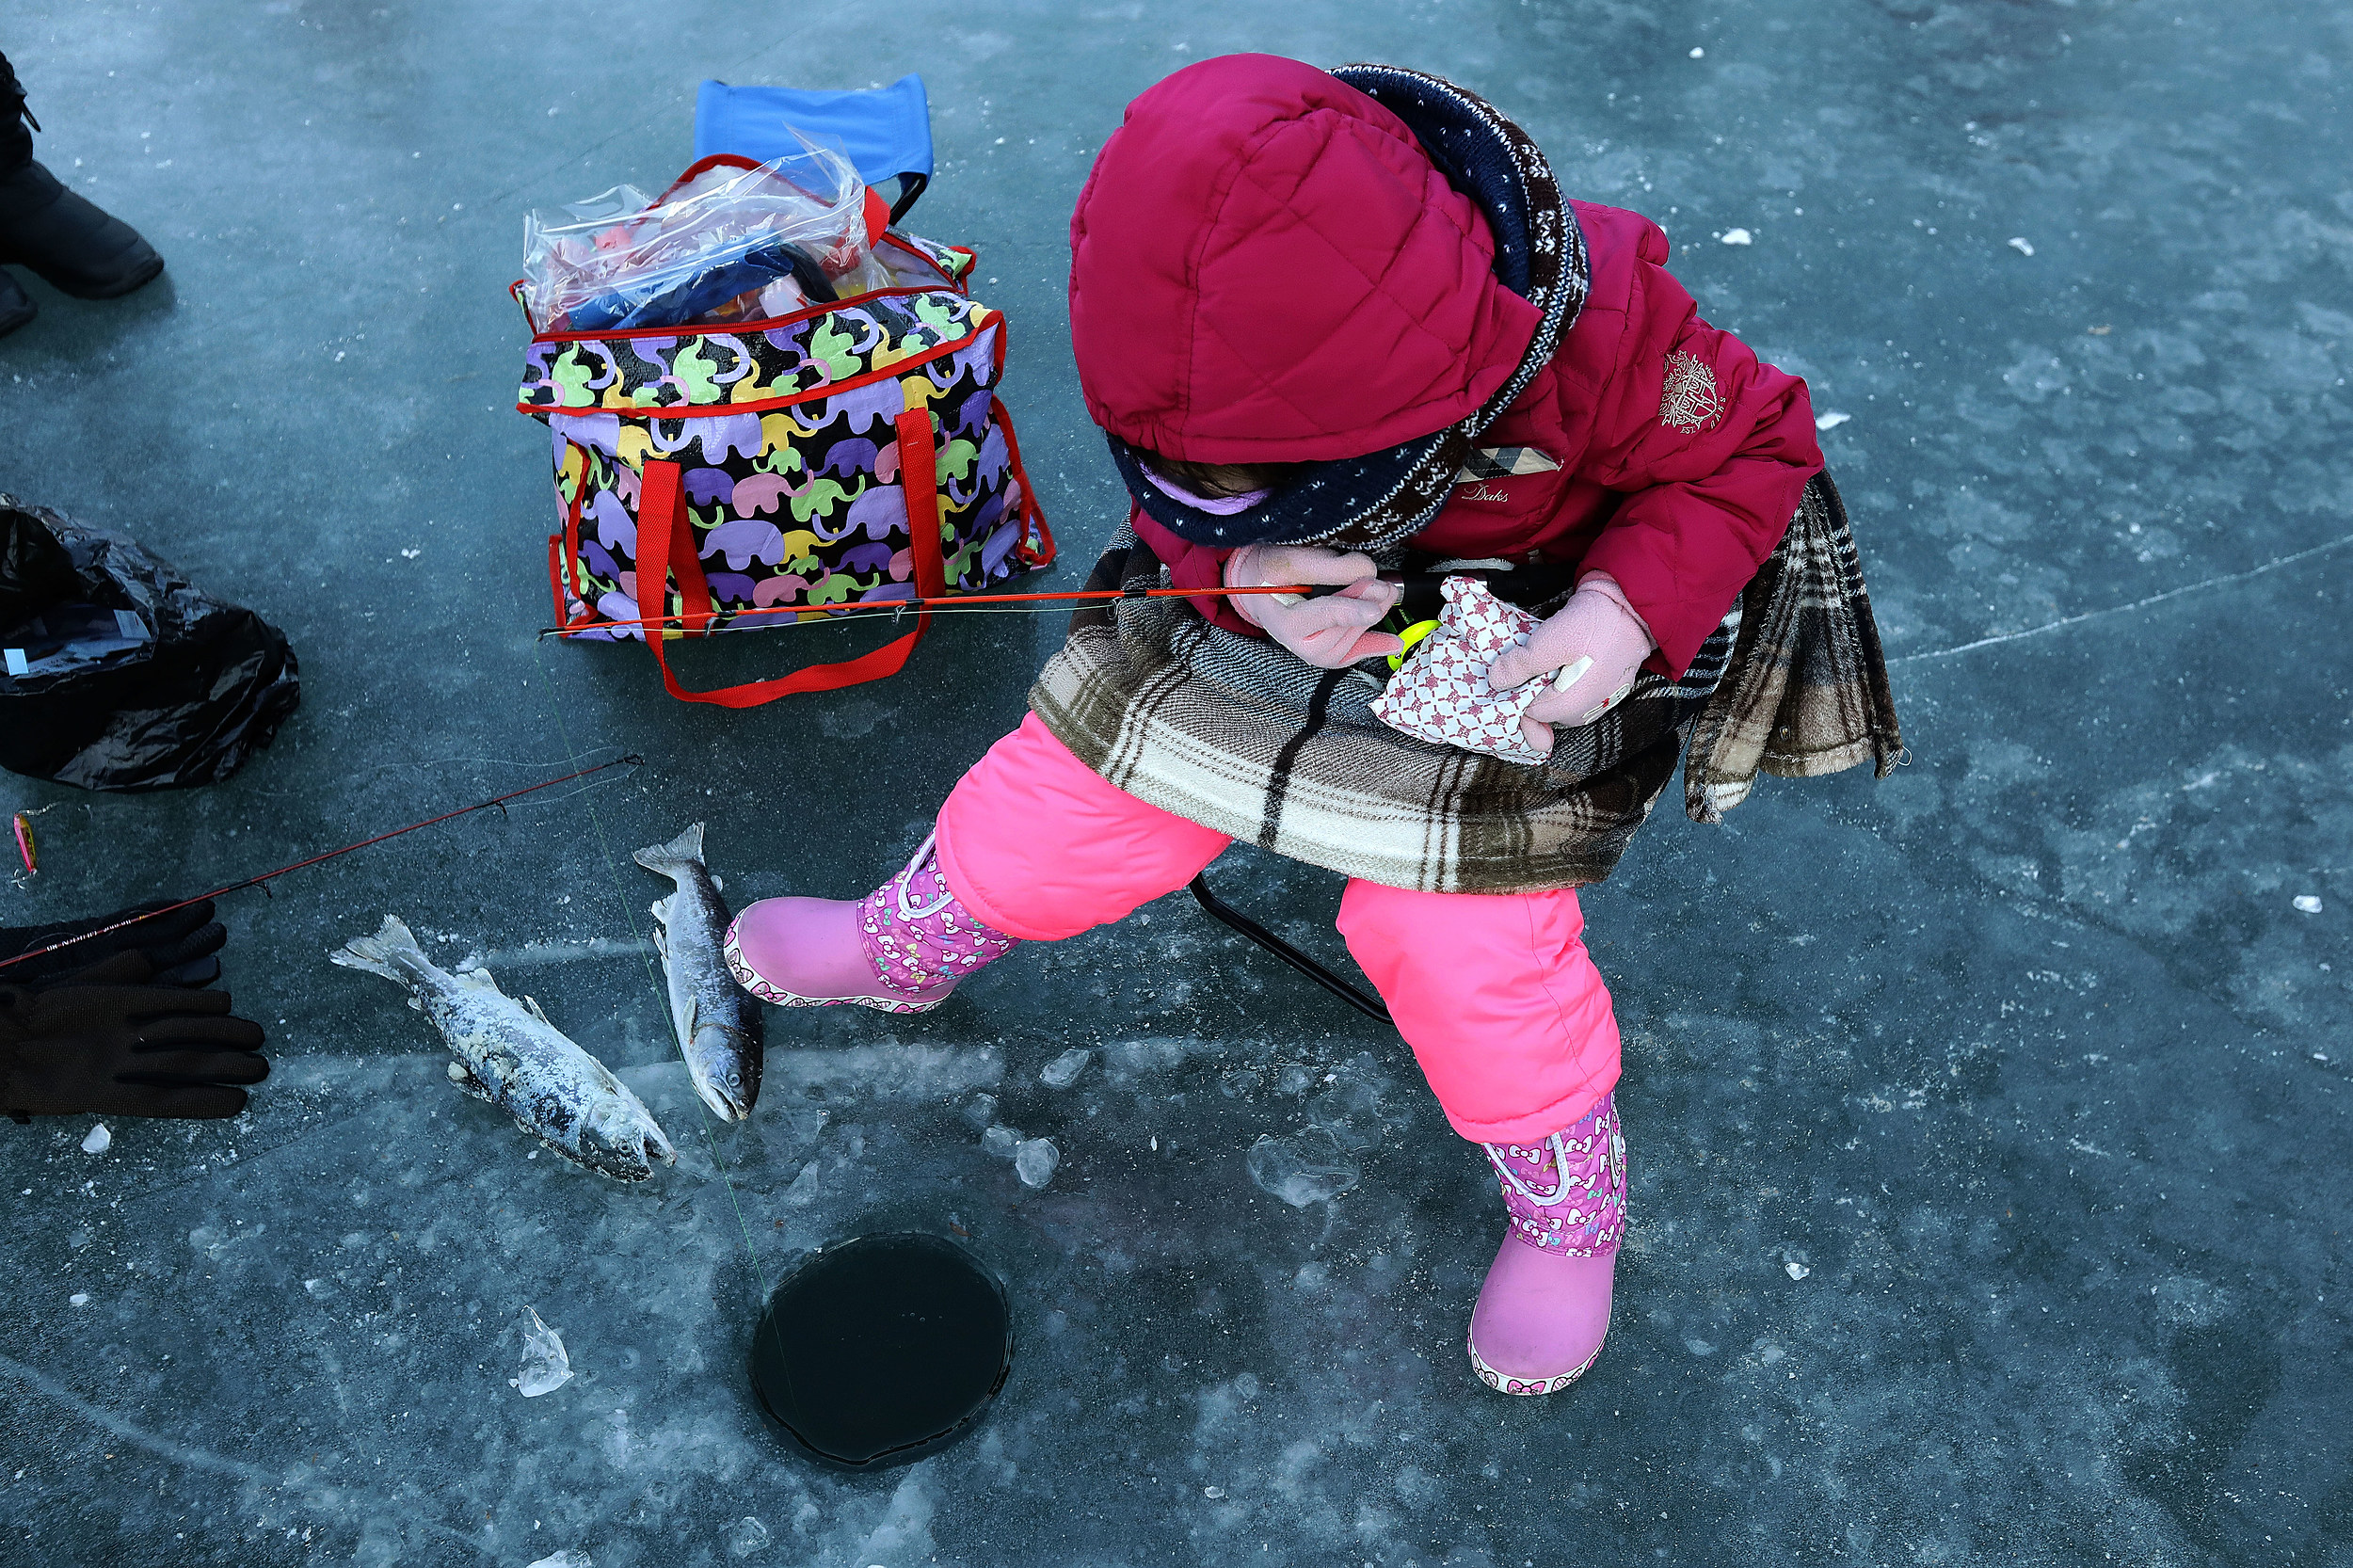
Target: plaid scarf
x=1238 y=735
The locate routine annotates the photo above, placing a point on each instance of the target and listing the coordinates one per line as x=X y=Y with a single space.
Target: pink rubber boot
x=1545 y=1310
x=901 y=948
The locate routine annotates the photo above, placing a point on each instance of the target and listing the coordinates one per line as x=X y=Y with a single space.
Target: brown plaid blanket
x=1237 y=734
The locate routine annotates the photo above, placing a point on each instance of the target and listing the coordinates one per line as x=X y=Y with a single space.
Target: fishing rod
x=1528 y=584
x=266 y=878
x=955 y=604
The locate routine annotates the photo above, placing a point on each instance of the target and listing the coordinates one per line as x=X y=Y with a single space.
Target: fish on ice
x=718 y=1021
x=507 y=1053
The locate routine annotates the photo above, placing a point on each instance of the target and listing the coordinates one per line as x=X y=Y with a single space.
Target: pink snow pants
x=1495 y=992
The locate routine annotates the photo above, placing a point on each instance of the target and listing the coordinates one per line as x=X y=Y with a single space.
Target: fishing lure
x=27 y=848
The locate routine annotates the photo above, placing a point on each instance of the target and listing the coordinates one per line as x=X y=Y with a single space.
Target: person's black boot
x=75 y=245
x=16 y=306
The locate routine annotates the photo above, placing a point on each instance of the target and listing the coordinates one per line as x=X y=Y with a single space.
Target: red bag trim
x=892 y=372
x=1041 y=554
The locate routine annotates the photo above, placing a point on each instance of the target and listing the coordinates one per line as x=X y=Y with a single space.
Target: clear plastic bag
x=619 y=260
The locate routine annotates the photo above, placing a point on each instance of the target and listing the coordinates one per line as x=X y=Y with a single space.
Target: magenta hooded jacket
x=1266 y=266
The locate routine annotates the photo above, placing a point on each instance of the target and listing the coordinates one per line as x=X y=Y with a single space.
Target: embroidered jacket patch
x=1689 y=402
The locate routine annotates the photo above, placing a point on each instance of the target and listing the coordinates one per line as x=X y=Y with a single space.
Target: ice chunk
x=2025 y=247
x=1001 y=1141
x=2304 y=902
x=1301 y=1170
x=981 y=1110
x=1350 y=1111
x=99 y=1140
x=1064 y=1070
x=79 y=1297
x=545 y=1370
x=1034 y=1161
x=1831 y=420
x=567 y=1558
x=750 y=1535
x=1796 y=1270
x=1738 y=236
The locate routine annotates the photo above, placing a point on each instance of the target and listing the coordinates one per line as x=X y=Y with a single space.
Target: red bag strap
x=666 y=548
x=919 y=472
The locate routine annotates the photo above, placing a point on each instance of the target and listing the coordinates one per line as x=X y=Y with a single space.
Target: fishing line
x=654 y=977
x=262 y=881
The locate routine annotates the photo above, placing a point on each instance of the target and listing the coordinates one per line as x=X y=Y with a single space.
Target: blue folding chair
x=886 y=131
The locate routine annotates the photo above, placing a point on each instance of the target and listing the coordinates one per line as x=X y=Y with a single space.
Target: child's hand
x=1328 y=633
x=1596 y=641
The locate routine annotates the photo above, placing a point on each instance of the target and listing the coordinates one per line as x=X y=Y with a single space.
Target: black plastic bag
x=115 y=674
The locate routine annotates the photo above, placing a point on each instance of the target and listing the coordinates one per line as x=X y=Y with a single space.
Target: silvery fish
x=717 y=1020
x=508 y=1054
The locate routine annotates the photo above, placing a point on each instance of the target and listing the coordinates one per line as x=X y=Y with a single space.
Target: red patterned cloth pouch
x=1441 y=694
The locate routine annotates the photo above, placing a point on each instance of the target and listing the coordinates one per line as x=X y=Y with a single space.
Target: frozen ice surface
x=1001 y=1141
x=546 y=1368
x=1064 y=1070
x=2007 y=1114
x=1303 y=1169
x=1034 y=1161
x=568 y=1557
x=99 y=1140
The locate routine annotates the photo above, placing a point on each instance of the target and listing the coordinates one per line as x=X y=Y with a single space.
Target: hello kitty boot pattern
x=1566 y=1196
x=919 y=934
x=901 y=948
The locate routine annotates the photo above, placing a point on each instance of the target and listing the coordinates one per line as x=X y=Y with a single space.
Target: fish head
x=724 y=1090
x=620 y=1142
x=726 y=1062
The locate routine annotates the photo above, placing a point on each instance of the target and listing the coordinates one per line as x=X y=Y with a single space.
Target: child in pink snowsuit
x=1334 y=321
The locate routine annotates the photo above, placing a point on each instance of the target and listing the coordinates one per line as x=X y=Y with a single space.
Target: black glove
x=112 y=1043
x=179 y=947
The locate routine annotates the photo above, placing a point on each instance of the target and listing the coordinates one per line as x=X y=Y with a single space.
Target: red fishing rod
x=262 y=881
x=955 y=604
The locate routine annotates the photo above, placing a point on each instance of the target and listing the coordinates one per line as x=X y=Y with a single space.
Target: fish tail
x=684 y=850
x=375 y=953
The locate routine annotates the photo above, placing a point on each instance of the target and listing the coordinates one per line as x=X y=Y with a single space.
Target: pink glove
x=1329 y=632
x=1596 y=641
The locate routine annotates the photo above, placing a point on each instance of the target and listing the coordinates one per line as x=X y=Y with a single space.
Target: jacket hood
x=1356 y=269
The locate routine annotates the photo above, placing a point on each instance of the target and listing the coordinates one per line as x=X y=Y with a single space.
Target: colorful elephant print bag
x=720 y=476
